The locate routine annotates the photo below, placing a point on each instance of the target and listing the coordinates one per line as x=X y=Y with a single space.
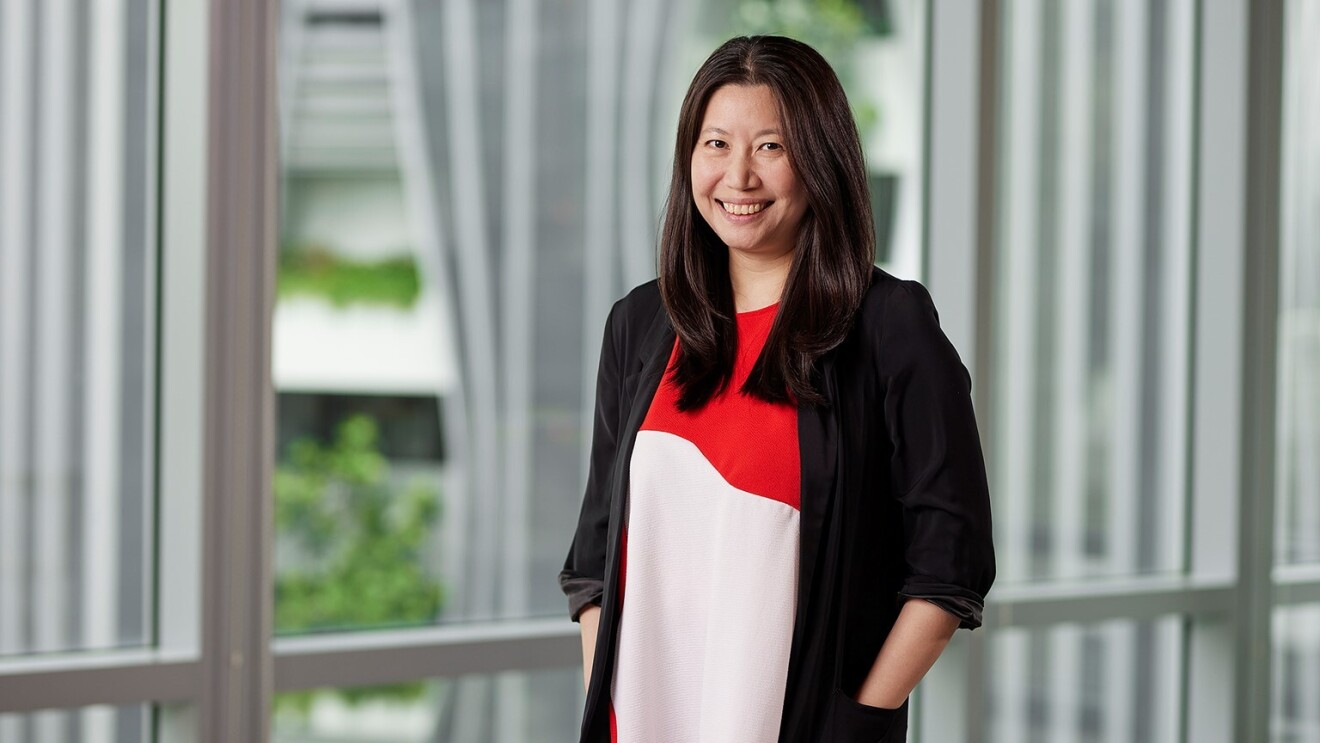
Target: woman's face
x=742 y=181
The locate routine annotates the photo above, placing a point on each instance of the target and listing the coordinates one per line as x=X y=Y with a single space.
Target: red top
x=752 y=443
x=710 y=556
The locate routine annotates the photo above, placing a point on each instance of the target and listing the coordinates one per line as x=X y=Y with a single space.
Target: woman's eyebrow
x=717 y=130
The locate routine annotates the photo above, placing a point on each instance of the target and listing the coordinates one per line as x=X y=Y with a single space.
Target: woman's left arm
x=938 y=476
x=914 y=644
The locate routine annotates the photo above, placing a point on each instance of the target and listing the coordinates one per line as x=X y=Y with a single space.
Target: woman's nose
x=741 y=173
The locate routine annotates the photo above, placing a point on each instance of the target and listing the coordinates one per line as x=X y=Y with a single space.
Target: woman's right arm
x=589 y=619
x=583 y=576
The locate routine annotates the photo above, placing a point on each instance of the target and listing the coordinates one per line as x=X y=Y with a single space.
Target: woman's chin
x=756 y=248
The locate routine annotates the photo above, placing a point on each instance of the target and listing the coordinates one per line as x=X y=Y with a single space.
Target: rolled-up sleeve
x=583 y=576
x=938 y=469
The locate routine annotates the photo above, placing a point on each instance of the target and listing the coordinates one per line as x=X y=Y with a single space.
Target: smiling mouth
x=743 y=210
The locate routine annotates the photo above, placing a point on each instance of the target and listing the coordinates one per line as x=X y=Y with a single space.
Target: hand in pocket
x=854 y=722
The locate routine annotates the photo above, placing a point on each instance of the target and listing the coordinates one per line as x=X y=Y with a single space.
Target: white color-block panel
x=709 y=598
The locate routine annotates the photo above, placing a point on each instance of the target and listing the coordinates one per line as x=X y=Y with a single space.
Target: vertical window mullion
x=238 y=524
x=1260 y=364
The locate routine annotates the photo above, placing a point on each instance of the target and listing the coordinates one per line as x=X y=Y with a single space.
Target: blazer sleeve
x=583 y=576
x=938 y=470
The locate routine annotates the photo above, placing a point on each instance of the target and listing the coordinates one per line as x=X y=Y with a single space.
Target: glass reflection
x=546 y=711
x=1295 y=710
x=1298 y=467
x=1092 y=300
x=77 y=325
x=87 y=725
x=1085 y=683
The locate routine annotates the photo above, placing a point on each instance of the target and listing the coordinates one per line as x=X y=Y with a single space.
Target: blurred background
x=301 y=302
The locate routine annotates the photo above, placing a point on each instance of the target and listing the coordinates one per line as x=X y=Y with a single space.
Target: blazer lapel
x=652 y=359
x=643 y=381
x=818 y=440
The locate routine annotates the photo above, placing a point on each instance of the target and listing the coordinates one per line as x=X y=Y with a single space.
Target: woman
x=784 y=448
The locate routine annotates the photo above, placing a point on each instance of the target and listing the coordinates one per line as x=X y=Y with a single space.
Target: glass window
x=1298 y=446
x=467 y=188
x=548 y=711
x=1090 y=338
x=1295 y=715
x=99 y=723
x=77 y=326
x=1116 y=680
x=371 y=528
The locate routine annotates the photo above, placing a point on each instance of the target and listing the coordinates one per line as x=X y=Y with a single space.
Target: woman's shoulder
x=898 y=327
x=636 y=309
x=894 y=304
x=645 y=296
x=634 y=318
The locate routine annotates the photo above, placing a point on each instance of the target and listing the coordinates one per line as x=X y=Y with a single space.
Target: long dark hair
x=836 y=242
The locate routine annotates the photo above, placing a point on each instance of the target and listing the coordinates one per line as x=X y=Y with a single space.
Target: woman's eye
x=772 y=146
x=718 y=144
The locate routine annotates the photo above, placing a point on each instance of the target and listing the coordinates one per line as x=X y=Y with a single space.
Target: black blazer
x=895 y=503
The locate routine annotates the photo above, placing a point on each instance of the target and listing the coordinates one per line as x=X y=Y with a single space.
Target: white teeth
x=742 y=209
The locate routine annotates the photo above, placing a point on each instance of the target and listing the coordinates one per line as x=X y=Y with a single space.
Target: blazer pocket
x=850 y=721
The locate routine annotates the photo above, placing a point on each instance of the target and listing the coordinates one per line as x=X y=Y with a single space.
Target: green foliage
x=355 y=546
x=832 y=27
x=316 y=271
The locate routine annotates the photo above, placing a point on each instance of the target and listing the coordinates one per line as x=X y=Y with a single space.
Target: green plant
x=317 y=271
x=832 y=27
x=354 y=545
